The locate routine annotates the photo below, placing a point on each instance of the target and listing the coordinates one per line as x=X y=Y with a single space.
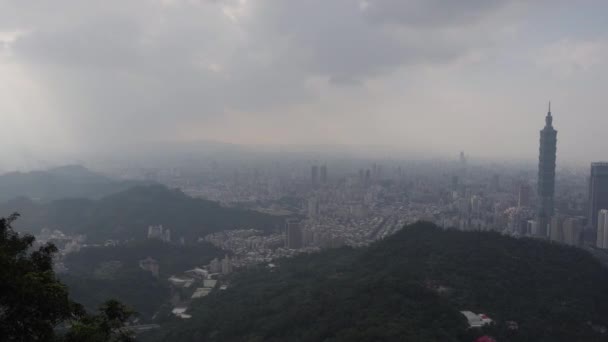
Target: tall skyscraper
x=314 y=175
x=546 y=174
x=463 y=159
x=524 y=195
x=602 y=229
x=573 y=228
x=556 y=231
x=598 y=193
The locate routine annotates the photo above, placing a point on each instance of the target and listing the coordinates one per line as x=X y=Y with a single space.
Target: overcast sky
x=423 y=75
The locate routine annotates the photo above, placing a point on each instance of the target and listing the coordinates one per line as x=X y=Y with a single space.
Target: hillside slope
x=97 y=273
x=127 y=215
x=411 y=287
x=57 y=183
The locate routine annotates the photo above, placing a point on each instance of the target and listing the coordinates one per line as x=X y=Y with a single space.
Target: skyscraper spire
x=546 y=175
x=549 y=118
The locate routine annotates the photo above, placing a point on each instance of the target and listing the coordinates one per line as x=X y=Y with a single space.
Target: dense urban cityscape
x=360 y=205
x=306 y=171
x=324 y=207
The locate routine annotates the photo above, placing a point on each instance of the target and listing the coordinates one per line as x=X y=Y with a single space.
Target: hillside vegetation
x=411 y=287
x=127 y=215
x=97 y=273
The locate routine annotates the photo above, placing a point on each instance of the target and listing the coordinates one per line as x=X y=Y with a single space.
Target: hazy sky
x=423 y=75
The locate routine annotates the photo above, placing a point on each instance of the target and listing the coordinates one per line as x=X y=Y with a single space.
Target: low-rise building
x=476 y=320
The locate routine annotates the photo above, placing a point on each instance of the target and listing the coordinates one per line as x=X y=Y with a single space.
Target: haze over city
x=303 y=170
x=419 y=77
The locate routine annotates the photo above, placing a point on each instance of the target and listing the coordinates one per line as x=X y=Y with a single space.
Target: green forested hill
x=98 y=273
x=127 y=215
x=411 y=287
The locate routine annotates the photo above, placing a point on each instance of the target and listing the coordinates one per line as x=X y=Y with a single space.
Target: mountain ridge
x=412 y=286
x=127 y=215
x=68 y=181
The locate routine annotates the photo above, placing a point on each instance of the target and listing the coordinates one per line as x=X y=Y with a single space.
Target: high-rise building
x=215 y=266
x=463 y=159
x=167 y=235
x=476 y=205
x=293 y=234
x=314 y=175
x=546 y=174
x=598 y=192
x=556 y=230
x=323 y=174
x=160 y=233
x=308 y=236
x=602 y=229
x=226 y=265
x=524 y=195
x=573 y=228
x=532 y=227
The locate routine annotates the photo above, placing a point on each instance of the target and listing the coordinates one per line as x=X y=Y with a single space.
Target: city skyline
x=304 y=170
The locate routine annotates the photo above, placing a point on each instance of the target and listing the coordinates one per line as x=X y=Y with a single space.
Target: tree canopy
x=127 y=215
x=91 y=281
x=411 y=287
x=35 y=305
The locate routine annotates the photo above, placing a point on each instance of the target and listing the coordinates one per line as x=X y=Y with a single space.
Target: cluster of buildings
x=369 y=199
x=598 y=203
x=248 y=246
x=65 y=244
x=557 y=226
x=570 y=217
x=359 y=208
x=197 y=283
x=159 y=233
x=318 y=175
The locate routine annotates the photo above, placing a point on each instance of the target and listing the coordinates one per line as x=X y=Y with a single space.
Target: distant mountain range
x=411 y=287
x=72 y=181
x=127 y=215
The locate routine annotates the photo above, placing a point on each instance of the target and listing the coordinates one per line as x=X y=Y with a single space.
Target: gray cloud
x=349 y=40
x=120 y=71
x=432 y=14
x=263 y=59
